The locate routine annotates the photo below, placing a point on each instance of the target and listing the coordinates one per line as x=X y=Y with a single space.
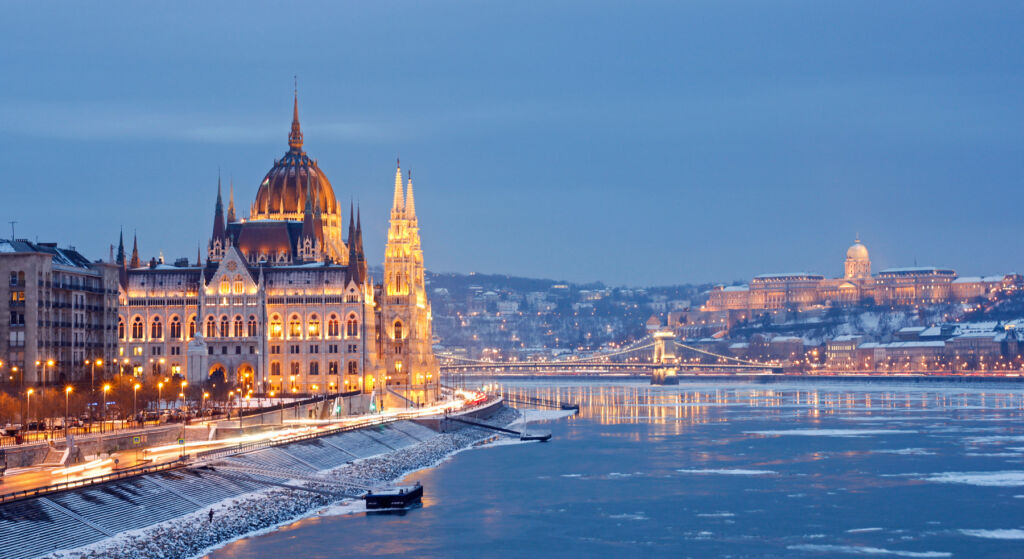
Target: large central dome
x=282 y=194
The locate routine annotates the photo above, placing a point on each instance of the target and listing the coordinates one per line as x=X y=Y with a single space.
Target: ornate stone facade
x=283 y=304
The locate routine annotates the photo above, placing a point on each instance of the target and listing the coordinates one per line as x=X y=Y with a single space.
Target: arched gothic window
x=191 y=327
x=138 y=330
x=398 y=329
x=239 y=327
x=314 y=326
x=353 y=368
x=276 y=328
x=175 y=328
x=252 y=326
x=120 y=327
x=211 y=327
x=224 y=329
x=225 y=286
x=294 y=327
x=239 y=286
x=333 y=326
x=156 y=329
x=352 y=326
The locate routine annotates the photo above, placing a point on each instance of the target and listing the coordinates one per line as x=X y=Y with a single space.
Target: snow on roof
x=736 y=288
x=739 y=345
x=781 y=339
x=790 y=275
x=909 y=329
x=968 y=279
x=916 y=270
x=846 y=338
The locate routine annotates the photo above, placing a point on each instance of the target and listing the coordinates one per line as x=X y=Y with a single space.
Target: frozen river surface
x=735 y=470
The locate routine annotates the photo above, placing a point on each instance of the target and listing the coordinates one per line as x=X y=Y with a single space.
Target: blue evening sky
x=632 y=143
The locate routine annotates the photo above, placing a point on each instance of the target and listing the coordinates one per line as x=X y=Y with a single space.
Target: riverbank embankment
x=162 y=515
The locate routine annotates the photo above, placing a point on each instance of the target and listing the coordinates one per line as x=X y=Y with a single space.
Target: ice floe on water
x=863 y=530
x=729 y=472
x=716 y=514
x=830 y=432
x=863 y=550
x=629 y=516
x=996 y=439
x=1012 y=478
x=905 y=451
x=531 y=415
x=998 y=534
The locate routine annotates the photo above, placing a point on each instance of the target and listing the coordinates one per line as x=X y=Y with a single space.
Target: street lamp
x=106 y=388
x=28 y=409
x=67 y=398
x=49 y=363
x=159 y=394
x=202 y=404
x=135 y=399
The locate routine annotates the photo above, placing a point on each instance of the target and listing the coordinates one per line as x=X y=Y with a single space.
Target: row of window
x=295 y=368
x=237 y=328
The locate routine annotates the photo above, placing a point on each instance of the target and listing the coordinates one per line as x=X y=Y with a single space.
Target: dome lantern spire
x=295 y=137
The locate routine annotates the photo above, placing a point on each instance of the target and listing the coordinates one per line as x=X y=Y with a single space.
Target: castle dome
x=282 y=194
x=857 y=251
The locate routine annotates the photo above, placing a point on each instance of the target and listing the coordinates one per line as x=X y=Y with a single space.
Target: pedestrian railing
x=95 y=480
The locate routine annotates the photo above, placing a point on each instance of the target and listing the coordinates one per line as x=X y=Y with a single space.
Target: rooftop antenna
x=12 y=228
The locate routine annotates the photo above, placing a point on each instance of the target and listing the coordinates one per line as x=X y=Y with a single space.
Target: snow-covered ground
x=195 y=535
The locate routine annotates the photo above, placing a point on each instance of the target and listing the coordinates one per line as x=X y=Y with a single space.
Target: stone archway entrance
x=245 y=377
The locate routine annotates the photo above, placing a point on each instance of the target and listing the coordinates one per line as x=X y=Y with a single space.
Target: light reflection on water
x=613 y=404
x=741 y=470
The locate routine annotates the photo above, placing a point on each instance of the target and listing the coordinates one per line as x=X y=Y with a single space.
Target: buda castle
x=281 y=301
x=892 y=287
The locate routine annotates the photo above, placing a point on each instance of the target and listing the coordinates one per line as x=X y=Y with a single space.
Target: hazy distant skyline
x=634 y=144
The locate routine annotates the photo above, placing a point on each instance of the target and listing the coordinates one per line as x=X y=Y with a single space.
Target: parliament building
x=281 y=301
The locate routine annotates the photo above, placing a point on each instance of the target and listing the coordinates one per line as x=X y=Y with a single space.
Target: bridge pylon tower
x=665 y=361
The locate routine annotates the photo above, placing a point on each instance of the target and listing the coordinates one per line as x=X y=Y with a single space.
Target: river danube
x=727 y=470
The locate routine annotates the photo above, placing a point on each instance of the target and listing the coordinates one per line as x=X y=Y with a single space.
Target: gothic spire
x=120 y=248
x=398 y=205
x=135 y=263
x=218 y=214
x=410 y=203
x=231 y=201
x=295 y=137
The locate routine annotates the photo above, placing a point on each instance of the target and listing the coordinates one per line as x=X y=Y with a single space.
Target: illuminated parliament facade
x=283 y=301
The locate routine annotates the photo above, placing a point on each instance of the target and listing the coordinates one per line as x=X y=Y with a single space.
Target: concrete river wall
x=35 y=527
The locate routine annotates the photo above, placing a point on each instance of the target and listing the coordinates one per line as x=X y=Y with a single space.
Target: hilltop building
x=282 y=303
x=893 y=286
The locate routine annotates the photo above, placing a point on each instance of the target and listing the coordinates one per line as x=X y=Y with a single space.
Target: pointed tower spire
x=218 y=214
x=199 y=255
x=410 y=202
x=120 y=248
x=231 y=201
x=295 y=137
x=135 y=263
x=360 y=255
x=398 y=205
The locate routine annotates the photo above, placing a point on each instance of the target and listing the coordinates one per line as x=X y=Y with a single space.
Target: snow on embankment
x=195 y=535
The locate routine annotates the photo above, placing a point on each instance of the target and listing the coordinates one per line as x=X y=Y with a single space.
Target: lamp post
x=135 y=399
x=103 y=426
x=28 y=407
x=46 y=376
x=67 y=400
x=159 y=395
x=184 y=383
